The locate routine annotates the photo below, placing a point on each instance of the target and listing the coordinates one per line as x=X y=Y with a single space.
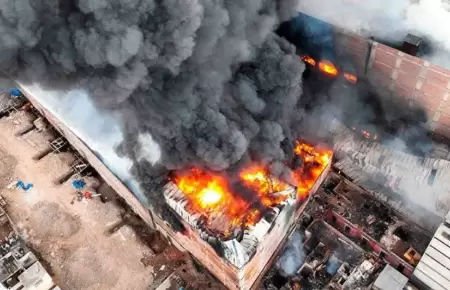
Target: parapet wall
x=409 y=77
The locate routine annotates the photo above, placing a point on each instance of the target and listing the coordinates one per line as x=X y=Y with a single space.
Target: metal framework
x=79 y=166
x=58 y=144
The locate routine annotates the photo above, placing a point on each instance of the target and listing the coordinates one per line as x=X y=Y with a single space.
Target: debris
x=40 y=124
x=146 y=260
x=26 y=107
x=157 y=244
x=162 y=268
x=395 y=183
x=12 y=185
x=78 y=184
x=173 y=281
x=84 y=195
x=2 y=201
x=371 y=219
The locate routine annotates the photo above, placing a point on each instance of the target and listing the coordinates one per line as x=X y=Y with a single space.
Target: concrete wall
x=410 y=77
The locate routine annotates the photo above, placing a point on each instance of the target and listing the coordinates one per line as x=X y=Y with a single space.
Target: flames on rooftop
x=366 y=133
x=227 y=204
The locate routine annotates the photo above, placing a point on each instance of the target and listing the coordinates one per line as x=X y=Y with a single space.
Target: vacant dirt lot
x=70 y=237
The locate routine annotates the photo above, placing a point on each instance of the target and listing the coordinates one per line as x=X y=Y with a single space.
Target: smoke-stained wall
x=411 y=78
x=390 y=21
x=424 y=80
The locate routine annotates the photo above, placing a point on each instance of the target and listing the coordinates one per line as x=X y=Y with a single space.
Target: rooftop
x=433 y=269
x=390 y=279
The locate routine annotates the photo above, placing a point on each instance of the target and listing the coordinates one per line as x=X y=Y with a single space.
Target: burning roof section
x=235 y=212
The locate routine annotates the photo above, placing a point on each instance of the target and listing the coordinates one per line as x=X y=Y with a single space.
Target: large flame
x=315 y=160
x=210 y=193
x=259 y=180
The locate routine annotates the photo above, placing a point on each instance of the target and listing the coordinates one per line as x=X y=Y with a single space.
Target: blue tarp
x=24 y=186
x=15 y=92
x=78 y=184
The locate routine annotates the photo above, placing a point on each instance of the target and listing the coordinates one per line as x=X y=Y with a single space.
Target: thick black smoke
x=207 y=79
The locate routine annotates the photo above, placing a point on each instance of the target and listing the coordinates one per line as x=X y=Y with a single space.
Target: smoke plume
x=293 y=255
x=333 y=265
x=390 y=21
x=206 y=80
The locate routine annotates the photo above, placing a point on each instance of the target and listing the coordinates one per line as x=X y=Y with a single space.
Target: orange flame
x=315 y=160
x=259 y=180
x=368 y=135
x=210 y=192
x=328 y=67
x=309 y=60
x=351 y=78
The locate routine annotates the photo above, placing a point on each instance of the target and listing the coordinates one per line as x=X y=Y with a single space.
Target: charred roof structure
x=350 y=236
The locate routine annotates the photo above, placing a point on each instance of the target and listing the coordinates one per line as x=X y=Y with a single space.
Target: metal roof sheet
x=390 y=279
x=434 y=267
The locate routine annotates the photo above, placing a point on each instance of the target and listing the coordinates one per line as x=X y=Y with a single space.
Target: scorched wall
x=409 y=77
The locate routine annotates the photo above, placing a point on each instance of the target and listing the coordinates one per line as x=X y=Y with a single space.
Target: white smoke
x=293 y=255
x=77 y=112
x=390 y=20
x=333 y=265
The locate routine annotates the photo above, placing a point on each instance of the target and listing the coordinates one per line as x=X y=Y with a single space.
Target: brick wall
x=410 y=77
x=357 y=46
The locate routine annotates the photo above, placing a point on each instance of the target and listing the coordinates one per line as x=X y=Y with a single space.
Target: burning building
x=234 y=225
x=245 y=230
x=213 y=88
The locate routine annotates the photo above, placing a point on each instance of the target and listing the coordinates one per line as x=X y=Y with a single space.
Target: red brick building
x=410 y=77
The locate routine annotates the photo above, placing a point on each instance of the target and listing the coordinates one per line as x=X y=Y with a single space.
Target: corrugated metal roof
x=390 y=279
x=427 y=280
x=434 y=268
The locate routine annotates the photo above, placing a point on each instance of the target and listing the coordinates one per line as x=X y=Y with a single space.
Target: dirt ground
x=70 y=238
